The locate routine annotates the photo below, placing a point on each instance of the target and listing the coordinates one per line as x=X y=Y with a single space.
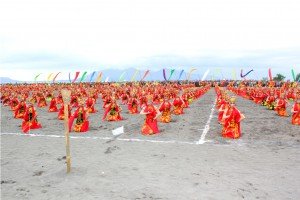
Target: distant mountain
x=8 y=80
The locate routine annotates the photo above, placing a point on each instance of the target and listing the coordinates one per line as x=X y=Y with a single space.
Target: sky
x=50 y=36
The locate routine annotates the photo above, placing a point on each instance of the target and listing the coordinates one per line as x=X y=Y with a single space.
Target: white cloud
x=117 y=32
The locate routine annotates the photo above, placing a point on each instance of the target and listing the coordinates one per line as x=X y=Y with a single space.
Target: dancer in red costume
x=30 y=119
x=281 y=106
x=61 y=112
x=14 y=103
x=178 y=104
x=150 y=126
x=296 y=110
x=52 y=106
x=20 y=110
x=42 y=101
x=232 y=119
x=133 y=105
x=165 y=109
x=81 y=119
x=90 y=104
x=112 y=111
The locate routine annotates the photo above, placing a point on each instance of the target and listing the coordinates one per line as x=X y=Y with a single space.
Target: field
x=188 y=160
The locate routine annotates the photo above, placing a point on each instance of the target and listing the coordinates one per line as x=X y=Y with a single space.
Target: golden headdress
x=232 y=99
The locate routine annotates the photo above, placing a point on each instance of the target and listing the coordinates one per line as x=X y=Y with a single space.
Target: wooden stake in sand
x=66 y=94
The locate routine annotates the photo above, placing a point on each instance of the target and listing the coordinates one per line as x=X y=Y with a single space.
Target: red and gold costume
x=224 y=105
x=59 y=99
x=14 y=103
x=232 y=118
x=124 y=98
x=291 y=94
x=296 y=112
x=165 y=109
x=178 y=104
x=20 y=110
x=150 y=126
x=258 y=96
x=106 y=101
x=61 y=112
x=42 y=102
x=81 y=122
x=30 y=120
x=185 y=100
x=90 y=105
x=270 y=101
x=33 y=99
x=133 y=106
x=74 y=101
x=143 y=101
x=112 y=112
x=156 y=99
x=52 y=106
x=5 y=99
x=281 y=106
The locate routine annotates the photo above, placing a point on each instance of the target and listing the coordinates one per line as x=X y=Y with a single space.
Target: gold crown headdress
x=232 y=99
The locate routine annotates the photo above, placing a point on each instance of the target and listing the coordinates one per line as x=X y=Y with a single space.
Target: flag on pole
x=98 y=79
x=35 y=78
x=205 y=75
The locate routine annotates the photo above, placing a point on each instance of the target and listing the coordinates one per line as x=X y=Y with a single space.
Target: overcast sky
x=68 y=35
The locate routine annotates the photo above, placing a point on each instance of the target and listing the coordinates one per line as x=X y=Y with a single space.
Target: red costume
x=52 y=106
x=81 y=123
x=20 y=110
x=74 y=101
x=258 y=96
x=296 y=113
x=42 y=102
x=223 y=108
x=133 y=106
x=178 y=104
x=143 y=101
x=150 y=126
x=112 y=112
x=30 y=120
x=165 y=109
x=281 y=106
x=61 y=112
x=185 y=100
x=14 y=103
x=232 y=118
x=90 y=105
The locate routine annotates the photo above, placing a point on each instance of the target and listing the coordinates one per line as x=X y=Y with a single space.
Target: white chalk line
x=105 y=138
x=206 y=127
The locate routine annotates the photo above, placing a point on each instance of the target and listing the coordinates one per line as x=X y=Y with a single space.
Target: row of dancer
x=112 y=111
x=277 y=99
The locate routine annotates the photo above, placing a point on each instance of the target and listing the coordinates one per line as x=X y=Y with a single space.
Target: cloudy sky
x=44 y=36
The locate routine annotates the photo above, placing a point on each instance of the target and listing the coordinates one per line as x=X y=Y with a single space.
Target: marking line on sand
x=105 y=138
x=206 y=128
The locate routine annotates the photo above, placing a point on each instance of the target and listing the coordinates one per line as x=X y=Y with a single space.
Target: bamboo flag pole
x=66 y=94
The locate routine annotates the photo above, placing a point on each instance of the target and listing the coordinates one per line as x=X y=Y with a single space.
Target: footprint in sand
x=38 y=173
x=23 y=189
x=62 y=158
x=111 y=149
x=8 y=182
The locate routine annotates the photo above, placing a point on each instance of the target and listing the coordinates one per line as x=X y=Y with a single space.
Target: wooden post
x=66 y=94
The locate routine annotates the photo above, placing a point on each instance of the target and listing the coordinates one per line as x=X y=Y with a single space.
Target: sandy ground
x=263 y=164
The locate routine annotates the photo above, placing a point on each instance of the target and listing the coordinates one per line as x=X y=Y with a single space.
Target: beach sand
x=263 y=164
